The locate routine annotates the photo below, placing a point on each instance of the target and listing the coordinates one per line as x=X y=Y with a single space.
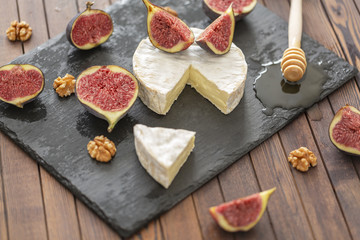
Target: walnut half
x=302 y=158
x=19 y=31
x=64 y=86
x=101 y=148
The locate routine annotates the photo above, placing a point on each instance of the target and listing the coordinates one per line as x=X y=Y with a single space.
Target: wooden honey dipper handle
x=293 y=64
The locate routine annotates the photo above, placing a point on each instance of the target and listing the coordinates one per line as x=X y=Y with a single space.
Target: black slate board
x=55 y=131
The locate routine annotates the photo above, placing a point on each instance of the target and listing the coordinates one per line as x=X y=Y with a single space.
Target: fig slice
x=20 y=83
x=241 y=214
x=218 y=36
x=166 y=31
x=108 y=92
x=214 y=8
x=89 y=28
x=344 y=130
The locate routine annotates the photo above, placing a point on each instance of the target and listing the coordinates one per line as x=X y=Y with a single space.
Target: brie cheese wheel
x=162 y=76
x=162 y=151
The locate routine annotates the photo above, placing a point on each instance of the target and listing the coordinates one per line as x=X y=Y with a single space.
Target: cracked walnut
x=64 y=86
x=302 y=158
x=101 y=148
x=19 y=31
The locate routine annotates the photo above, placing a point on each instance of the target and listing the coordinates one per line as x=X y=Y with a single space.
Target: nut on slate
x=302 y=158
x=64 y=86
x=19 y=31
x=101 y=148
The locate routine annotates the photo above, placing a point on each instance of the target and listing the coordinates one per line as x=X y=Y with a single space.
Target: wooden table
x=323 y=203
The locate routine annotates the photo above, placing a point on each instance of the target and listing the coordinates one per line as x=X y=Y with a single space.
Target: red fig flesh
x=90 y=28
x=214 y=8
x=20 y=83
x=166 y=31
x=344 y=130
x=241 y=214
x=218 y=36
x=108 y=92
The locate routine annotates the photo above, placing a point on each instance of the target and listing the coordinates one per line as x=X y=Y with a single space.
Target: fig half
x=344 y=130
x=218 y=36
x=108 y=92
x=90 y=28
x=241 y=214
x=214 y=8
x=166 y=31
x=20 y=83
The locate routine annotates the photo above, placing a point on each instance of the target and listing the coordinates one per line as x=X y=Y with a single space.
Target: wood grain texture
x=8 y=50
x=341 y=171
x=92 y=227
x=207 y=196
x=151 y=232
x=239 y=180
x=325 y=216
x=285 y=207
x=345 y=19
x=59 y=13
x=181 y=221
x=25 y=209
x=22 y=188
x=3 y=217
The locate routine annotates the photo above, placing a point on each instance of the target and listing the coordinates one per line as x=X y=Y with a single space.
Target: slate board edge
x=182 y=195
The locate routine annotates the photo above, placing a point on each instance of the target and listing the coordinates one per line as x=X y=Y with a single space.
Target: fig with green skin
x=241 y=214
x=108 y=92
x=166 y=31
x=90 y=28
x=218 y=36
x=344 y=130
x=20 y=83
x=214 y=8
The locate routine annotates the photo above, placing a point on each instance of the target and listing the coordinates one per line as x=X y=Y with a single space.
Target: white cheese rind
x=222 y=77
x=163 y=151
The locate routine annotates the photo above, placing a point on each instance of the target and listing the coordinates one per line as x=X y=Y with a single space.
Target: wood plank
x=317 y=26
x=59 y=203
x=240 y=181
x=3 y=217
x=8 y=50
x=285 y=208
x=315 y=189
x=181 y=221
x=345 y=19
x=151 y=232
x=24 y=204
x=22 y=189
x=92 y=227
x=59 y=13
x=32 y=12
x=341 y=171
x=207 y=196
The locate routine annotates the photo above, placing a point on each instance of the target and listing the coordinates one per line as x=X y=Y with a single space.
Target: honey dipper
x=293 y=63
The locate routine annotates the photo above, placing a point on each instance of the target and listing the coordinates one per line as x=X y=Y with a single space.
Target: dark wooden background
x=323 y=203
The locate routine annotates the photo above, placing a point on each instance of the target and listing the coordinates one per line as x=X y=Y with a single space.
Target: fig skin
x=87 y=11
x=182 y=45
x=337 y=118
x=213 y=14
x=208 y=46
x=112 y=117
x=224 y=224
x=21 y=101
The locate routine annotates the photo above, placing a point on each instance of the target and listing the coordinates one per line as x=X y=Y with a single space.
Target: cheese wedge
x=163 y=151
x=162 y=76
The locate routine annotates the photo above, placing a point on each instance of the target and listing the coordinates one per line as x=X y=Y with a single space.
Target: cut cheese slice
x=162 y=76
x=162 y=151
